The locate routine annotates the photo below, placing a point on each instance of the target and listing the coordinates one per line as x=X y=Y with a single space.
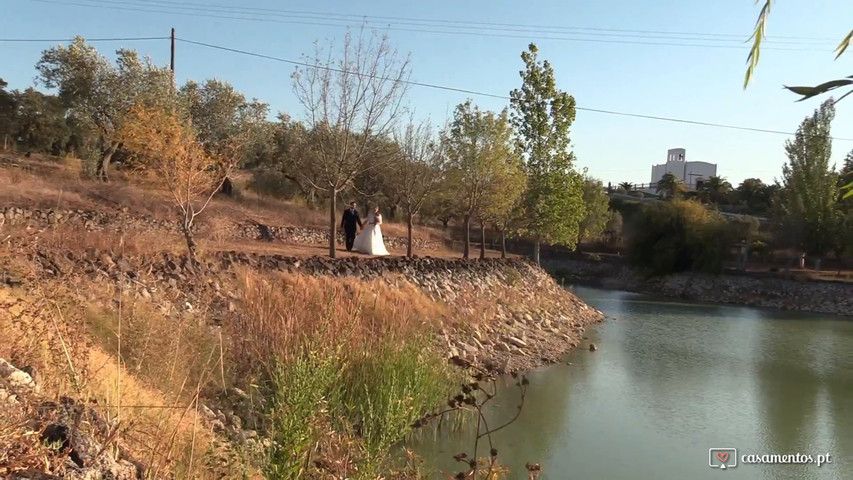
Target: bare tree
x=421 y=169
x=168 y=146
x=348 y=101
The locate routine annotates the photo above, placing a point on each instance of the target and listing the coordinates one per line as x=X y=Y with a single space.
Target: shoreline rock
x=814 y=296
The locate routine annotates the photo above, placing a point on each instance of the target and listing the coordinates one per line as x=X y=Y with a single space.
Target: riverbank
x=237 y=337
x=504 y=315
x=736 y=288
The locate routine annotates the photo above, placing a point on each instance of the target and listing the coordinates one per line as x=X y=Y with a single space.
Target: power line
x=502 y=97
x=437 y=22
x=49 y=40
x=196 y=12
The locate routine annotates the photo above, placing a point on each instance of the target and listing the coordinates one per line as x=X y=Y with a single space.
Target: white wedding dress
x=369 y=240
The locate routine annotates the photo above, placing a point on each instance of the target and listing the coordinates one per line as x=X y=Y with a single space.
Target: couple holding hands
x=369 y=240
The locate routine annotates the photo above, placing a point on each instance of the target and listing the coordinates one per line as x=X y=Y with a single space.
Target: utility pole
x=172 y=62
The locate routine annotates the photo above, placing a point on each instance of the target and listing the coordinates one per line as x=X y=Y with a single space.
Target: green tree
x=613 y=229
x=845 y=177
x=479 y=149
x=503 y=207
x=7 y=112
x=542 y=116
x=669 y=186
x=627 y=186
x=220 y=113
x=678 y=236
x=716 y=190
x=442 y=204
x=348 y=101
x=808 y=199
x=420 y=171
x=752 y=192
x=596 y=208
x=101 y=93
x=40 y=124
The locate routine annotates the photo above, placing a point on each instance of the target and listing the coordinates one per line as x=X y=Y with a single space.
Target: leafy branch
x=805 y=92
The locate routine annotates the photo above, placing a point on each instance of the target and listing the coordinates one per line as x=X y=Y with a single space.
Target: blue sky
x=687 y=82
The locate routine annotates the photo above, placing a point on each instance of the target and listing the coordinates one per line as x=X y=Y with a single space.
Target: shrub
x=679 y=236
x=271 y=183
x=745 y=227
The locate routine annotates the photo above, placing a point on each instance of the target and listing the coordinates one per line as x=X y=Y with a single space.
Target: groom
x=348 y=224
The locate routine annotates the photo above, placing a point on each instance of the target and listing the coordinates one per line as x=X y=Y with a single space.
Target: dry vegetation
x=148 y=371
x=73 y=337
x=42 y=181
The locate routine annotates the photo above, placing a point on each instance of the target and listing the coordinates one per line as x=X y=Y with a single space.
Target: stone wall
x=740 y=289
x=509 y=314
x=320 y=236
x=97 y=221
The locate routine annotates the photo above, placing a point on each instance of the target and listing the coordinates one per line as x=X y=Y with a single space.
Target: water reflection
x=672 y=380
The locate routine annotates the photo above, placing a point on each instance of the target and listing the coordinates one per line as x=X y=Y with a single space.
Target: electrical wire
x=436 y=22
x=502 y=97
x=197 y=12
x=49 y=40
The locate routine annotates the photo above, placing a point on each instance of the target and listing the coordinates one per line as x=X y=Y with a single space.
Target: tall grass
x=339 y=358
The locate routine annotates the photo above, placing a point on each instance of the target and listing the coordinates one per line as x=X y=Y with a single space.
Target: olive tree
x=101 y=93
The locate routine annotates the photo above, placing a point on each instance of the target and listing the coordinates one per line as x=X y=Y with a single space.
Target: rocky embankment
x=99 y=221
x=37 y=423
x=509 y=315
x=738 y=289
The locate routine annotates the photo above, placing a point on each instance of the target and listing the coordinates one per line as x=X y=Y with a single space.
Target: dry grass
x=283 y=311
x=74 y=342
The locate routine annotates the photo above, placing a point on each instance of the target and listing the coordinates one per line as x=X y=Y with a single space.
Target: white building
x=692 y=174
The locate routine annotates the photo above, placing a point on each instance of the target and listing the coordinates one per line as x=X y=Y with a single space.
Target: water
x=672 y=380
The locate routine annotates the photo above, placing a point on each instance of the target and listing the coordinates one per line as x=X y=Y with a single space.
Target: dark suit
x=349 y=222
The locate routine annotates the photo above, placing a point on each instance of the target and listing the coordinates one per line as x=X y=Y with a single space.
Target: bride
x=369 y=240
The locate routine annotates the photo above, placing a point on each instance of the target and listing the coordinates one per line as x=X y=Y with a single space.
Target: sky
x=682 y=59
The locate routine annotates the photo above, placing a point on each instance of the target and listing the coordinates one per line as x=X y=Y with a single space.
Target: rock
x=517 y=342
x=592 y=347
x=7 y=397
x=14 y=379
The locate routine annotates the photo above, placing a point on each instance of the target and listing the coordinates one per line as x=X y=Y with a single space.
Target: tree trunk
x=409 y=234
x=503 y=244
x=192 y=249
x=536 y=245
x=482 y=240
x=333 y=225
x=106 y=158
x=466 y=249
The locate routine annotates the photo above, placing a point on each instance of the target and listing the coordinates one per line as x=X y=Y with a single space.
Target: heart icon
x=722 y=456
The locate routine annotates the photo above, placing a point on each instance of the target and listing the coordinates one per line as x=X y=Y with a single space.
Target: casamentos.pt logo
x=722 y=458
x=725 y=458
